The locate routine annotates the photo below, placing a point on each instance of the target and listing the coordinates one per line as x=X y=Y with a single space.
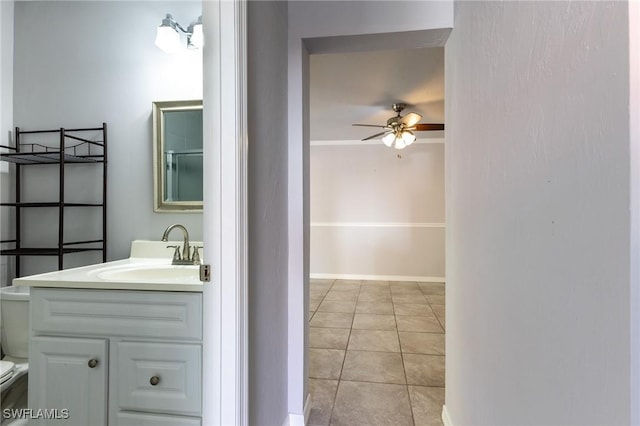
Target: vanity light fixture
x=168 y=37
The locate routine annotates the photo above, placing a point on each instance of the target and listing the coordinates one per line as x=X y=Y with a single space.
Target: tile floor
x=376 y=353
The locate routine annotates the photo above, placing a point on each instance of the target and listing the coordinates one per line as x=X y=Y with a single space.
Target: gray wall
x=90 y=62
x=537 y=163
x=267 y=205
x=6 y=122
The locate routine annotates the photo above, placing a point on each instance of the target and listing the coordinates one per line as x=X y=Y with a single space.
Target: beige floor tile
x=367 y=404
x=347 y=283
x=342 y=296
x=374 y=308
x=374 y=340
x=404 y=284
x=374 y=297
x=421 y=343
x=320 y=286
x=440 y=313
x=427 y=324
x=378 y=367
x=314 y=302
x=405 y=289
x=317 y=293
x=320 y=282
x=332 y=320
x=435 y=300
x=375 y=289
x=427 y=405
x=328 y=338
x=374 y=283
x=374 y=322
x=409 y=299
x=337 y=306
x=412 y=309
x=325 y=363
x=434 y=289
x=424 y=370
x=323 y=393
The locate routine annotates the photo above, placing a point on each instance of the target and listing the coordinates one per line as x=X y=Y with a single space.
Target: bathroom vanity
x=114 y=344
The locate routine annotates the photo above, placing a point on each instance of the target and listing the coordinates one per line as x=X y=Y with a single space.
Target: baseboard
x=419 y=279
x=446 y=420
x=299 y=419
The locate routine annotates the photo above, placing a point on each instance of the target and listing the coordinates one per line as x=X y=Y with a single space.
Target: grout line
x=346 y=350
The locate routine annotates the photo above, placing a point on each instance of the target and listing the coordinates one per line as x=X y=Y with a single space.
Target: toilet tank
x=14 y=317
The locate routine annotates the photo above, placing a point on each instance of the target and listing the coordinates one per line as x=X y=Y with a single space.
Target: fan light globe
x=408 y=137
x=400 y=143
x=388 y=139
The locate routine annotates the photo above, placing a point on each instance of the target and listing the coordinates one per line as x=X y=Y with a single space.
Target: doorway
x=376 y=292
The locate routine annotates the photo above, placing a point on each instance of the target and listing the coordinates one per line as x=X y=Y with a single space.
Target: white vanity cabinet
x=114 y=357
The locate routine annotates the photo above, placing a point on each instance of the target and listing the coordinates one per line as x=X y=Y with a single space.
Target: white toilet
x=14 y=340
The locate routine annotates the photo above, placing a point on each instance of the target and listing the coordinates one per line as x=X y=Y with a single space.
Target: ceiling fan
x=398 y=132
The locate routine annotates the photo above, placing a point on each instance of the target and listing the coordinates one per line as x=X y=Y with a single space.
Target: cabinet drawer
x=159 y=377
x=151 y=314
x=144 y=419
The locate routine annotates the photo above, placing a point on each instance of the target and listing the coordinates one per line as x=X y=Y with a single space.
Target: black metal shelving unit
x=74 y=146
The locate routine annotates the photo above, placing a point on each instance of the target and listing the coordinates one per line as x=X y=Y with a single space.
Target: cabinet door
x=68 y=381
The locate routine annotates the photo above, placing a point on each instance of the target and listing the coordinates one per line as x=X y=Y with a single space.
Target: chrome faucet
x=184 y=258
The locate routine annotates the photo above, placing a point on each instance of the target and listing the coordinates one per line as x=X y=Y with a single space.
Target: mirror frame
x=160 y=205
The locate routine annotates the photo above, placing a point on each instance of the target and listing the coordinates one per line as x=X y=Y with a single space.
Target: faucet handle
x=196 y=255
x=176 y=252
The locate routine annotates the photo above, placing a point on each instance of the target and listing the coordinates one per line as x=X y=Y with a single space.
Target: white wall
x=376 y=212
x=322 y=27
x=538 y=285
x=6 y=121
x=267 y=211
x=90 y=62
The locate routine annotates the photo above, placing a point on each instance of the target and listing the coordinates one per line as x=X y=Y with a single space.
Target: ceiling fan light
x=388 y=139
x=400 y=144
x=408 y=137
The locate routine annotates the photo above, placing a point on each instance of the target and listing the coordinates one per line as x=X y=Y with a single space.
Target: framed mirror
x=177 y=156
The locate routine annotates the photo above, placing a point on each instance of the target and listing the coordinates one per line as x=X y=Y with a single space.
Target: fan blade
x=411 y=119
x=369 y=125
x=374 y=136
x=427 y=127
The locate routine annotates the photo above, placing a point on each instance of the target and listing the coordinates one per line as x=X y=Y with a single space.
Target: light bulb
x=168 y=39
x=400 y=143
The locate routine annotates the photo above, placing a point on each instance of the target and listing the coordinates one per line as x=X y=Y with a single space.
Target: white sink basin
x=148 y=268
x=150 y=273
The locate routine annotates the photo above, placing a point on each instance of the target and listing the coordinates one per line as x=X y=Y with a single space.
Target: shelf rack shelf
x=73 y=146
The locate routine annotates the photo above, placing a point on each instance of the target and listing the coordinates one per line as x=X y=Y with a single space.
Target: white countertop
x=150 y=259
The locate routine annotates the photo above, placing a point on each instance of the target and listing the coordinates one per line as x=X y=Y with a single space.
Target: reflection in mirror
x=177 y=156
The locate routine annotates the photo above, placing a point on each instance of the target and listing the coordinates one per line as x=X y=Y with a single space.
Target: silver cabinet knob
x=154 y=380
x=92 y=363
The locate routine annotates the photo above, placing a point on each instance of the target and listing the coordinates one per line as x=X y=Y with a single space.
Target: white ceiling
x=349 y=88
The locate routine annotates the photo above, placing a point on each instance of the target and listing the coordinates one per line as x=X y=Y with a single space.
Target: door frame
x=225 y=336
